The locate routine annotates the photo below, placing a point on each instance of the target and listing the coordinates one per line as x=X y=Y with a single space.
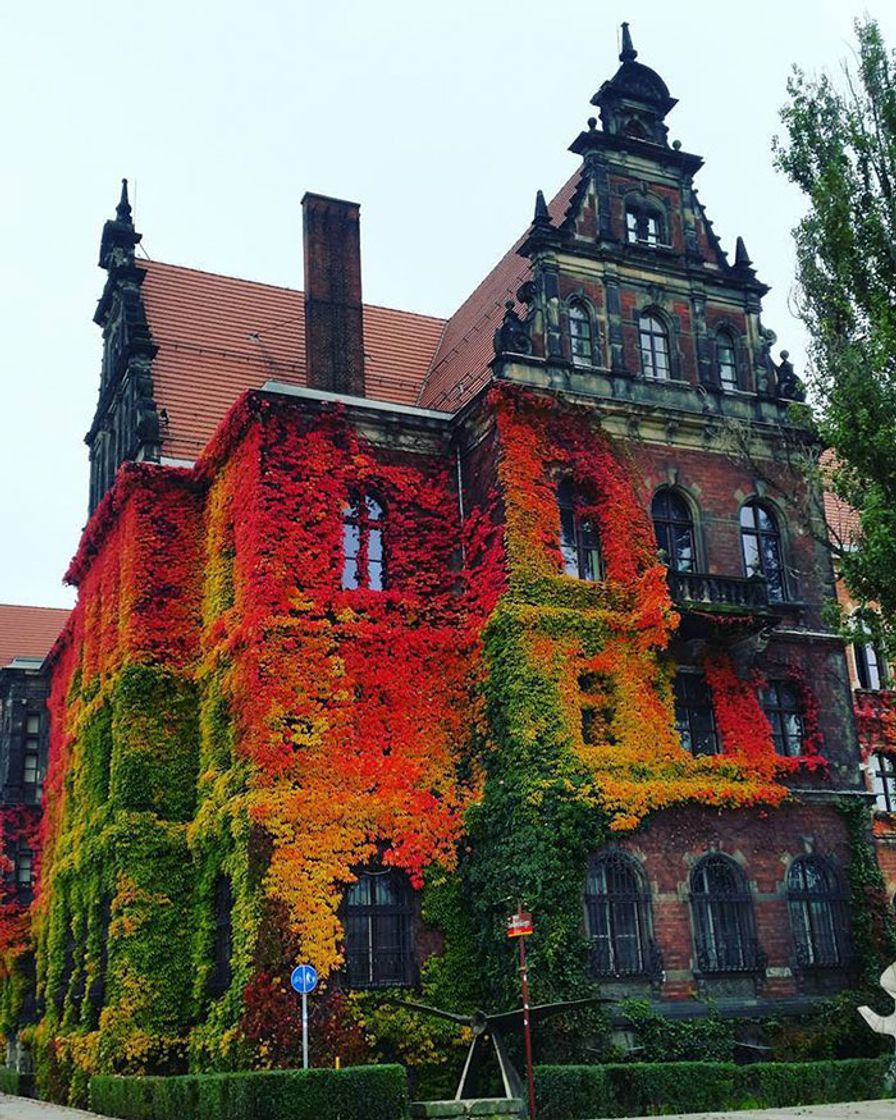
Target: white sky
x=442 y=120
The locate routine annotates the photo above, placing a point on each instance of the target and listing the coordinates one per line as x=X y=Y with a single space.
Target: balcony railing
x=719 y=591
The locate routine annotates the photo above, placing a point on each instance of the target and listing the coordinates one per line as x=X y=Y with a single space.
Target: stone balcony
x=727 y=594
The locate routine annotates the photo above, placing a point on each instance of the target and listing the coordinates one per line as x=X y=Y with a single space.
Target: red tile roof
x=218 y=336
x=28 y=631
x=460 y=366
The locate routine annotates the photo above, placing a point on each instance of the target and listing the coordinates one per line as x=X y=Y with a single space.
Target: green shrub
x=641 y=1088
x=356 y=1093
x=15 y=1083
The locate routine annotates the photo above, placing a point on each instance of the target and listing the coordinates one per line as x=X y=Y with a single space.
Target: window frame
x=363 y=516
x=645 y=224
x=580 y=543
x=715 y=914
x=394 y=966
x=774 y=574
x=220 y=975
x=771 y=699
x=656 y=351
x=605 y=908
x=670 y=523
x=579 y=312
x=688 y=681
x=885 y=779
x=725 y=342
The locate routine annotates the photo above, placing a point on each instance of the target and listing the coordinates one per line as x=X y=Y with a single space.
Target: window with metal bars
x=726 y=356
x=378 y=920
x=581 y=335
x=221 y=974
x=363 y=554
x=694 y=716
x=617 y=916
x=760 y=540
x=579 y=541
x=654 y=339
x=883 y=782
x=722 y=910
x=784 y=711
x=674 y=528
x=818 y=915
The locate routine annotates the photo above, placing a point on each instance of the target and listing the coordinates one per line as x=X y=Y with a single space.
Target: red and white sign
x=519 y=924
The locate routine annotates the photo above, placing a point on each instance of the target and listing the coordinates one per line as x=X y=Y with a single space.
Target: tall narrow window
x=581 y=336
x=727 y=359
x=363 y=556
x=883 y=781
x=654 y=348
x=96 y=995
x=31 y=773
x=783 y=710
x=379 y=930
x=617 y=916
x=817 y=914
x=24 y=869
x=761 y=545
x=870 y=666
x=674 y=530
x=221 y=973
x=694 y=718
x=722 y=907
x=579 y=542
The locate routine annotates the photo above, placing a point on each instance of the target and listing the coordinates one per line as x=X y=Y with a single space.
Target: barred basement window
x=722 y=909
x=883 y=779
x=674 y=530
x=694 y=717
x=364 y=562
x=221 y=973
x=379 y=930
x=817 y=908
x=617 y=916
x=579 y=542
x=581 y=339
x=783 y=710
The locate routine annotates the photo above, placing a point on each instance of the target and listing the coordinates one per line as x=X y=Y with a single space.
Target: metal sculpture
x=492 y=1028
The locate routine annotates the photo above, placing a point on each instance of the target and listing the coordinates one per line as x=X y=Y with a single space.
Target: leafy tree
x=840 y=149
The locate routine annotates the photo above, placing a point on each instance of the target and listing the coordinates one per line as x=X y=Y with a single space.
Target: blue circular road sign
x=304 y=978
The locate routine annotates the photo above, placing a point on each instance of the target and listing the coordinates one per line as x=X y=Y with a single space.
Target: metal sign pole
x=527 y=1027
x=304 y=1030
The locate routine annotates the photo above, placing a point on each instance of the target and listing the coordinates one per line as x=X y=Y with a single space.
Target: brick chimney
x=334 y=332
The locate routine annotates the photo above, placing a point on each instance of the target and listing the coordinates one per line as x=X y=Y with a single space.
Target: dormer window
x=581 y=336
x=643 y=226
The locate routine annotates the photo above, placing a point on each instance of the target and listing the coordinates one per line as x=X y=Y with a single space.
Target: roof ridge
x=35 y=607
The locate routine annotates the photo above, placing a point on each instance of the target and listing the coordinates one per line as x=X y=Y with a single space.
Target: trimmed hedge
x=15 y=1083
x=355 y=1093
x=641 y=1088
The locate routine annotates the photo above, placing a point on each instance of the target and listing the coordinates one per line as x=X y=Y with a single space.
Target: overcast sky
x=442 y=120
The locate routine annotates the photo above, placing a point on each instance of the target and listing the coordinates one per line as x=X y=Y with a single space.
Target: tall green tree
x=840 y=149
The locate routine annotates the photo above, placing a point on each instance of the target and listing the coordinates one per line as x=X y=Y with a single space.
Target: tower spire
x=628 y=52
x=123 y=209
x=119 y=236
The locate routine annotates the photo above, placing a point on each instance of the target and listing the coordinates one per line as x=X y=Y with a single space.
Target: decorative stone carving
x=512 y=337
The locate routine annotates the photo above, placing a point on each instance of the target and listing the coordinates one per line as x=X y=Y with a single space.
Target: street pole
x=304 y=1030
x=527 y=1027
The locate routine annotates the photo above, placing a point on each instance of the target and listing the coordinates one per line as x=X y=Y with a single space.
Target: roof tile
x=28 y=631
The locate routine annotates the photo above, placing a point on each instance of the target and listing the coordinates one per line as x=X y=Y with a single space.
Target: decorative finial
x=592 y=124
x=628 y=52
x=123 y=209
x=741 y=256
x=542 y=217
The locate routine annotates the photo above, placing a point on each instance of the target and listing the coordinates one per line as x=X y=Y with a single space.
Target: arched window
x=617 y=916
x=363 y=557
x=379 y=930
x=654 y=348
x=760 y=541
x=727 y=359
x=871 y=669
x=817 y=908
x=784 y=711
x=581 y=335
x=722 y=907
x=674 y=530
x=579 y=542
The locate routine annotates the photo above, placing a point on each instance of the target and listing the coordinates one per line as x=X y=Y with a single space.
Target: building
x=374 y=640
